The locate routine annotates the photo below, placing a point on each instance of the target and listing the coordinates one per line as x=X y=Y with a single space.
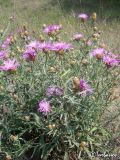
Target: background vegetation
x=38 y=12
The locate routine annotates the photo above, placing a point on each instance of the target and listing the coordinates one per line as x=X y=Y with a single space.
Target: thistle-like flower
x=33 y=45
x=52 y=29
x=77 y=37
x=29 y=54
x=7 y=42
x=10 y=65
x=61 y=47
x=98 y=53
x=46 y=47
x=2 y=54
x=111 y=60
x=81 y=87
x=44 y=107
x=53 y=90
x=85 y=88
x=83 y=16
x=89 y=43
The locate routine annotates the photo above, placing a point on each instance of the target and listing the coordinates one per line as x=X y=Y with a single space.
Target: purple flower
x=52 y=29
x=85 y=89
x=45 y=46
x=83 y=16
x=33 y=45
x=29 y=54
x=44 y=107
x=7 y=42
x=78 y=37
x=98 y=53
x=31 y=50
x=10 y=65
x=61 y=47
x=2 y=54
x=59 y=91
x=89 y=43
x=111 y=60
x=53 y=90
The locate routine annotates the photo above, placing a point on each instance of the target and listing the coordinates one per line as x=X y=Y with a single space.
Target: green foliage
x=73 y=128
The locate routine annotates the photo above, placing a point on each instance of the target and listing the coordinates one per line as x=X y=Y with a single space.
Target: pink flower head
x=33 y=45
x=44 y=107
x=111 y=60
x=7 y=42
x=10 y=65
x=83 y=16
x=98 y=53
x=45 y=46
x=78 y=37
x=2 y=54
x=61 y=47
x=52 y=90
x=89 y=43
x=52 y=29
x=85 y=89
x=29 y=54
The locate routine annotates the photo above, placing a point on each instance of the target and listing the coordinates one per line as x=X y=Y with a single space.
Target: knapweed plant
x=53 y=93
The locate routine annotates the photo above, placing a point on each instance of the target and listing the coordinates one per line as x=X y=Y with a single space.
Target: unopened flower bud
x=44 y=25
x=8 y=157
x=18 y=49
x=85 y=62
x=15 y=97
x=26 y=33
x=50 y=127
x=53 y=125
x=13 y=39
x=13 y=138
x=95 y=28
x=1 y=31
x=83 y=144
x=76 y=83
x=28 y=69
x=27 y=118
x=1 y=88
x=72 y=62
x=94 y=16
x=42 y=39
x=52 y=69
x=103 y=46
x=96 y=35
x=12 y=54
x=84 y=40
